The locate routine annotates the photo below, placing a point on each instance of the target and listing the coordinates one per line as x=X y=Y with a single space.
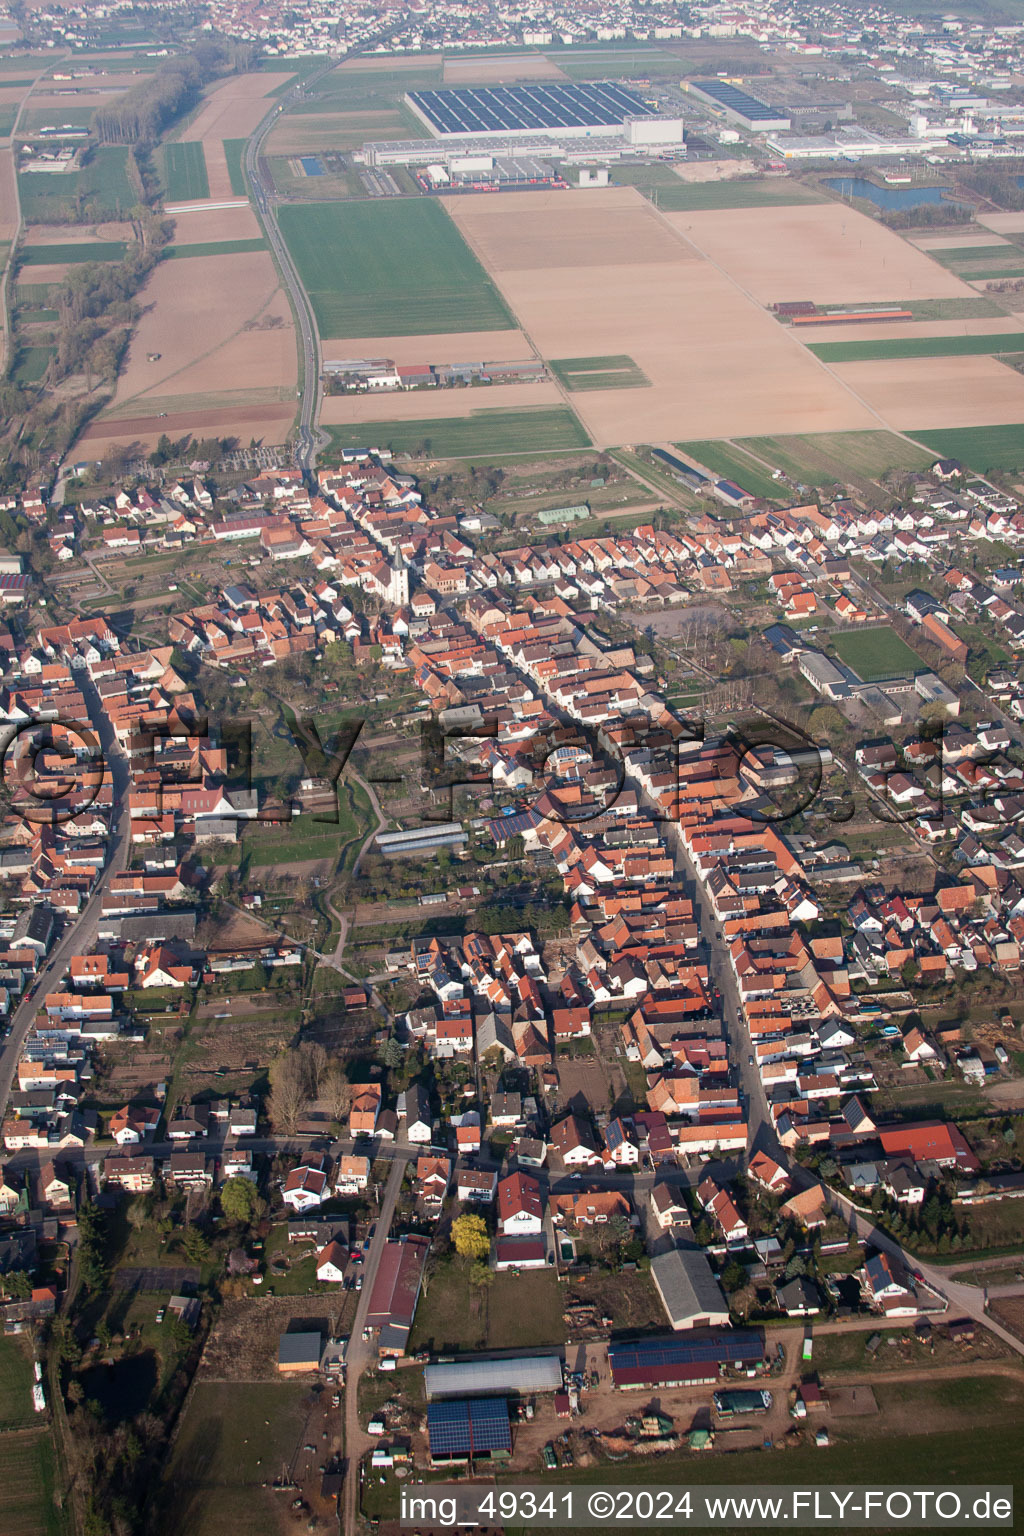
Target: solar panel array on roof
x=470 y=1427
x=528 y=108
x=731 y=96
x=715 y=1347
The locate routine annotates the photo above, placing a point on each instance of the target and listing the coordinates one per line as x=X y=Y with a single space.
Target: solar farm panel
x=528 y=108
x=468 y=1427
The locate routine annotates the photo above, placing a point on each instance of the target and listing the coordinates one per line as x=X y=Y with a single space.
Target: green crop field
x=73 y=254
x=102 y=188
x=819 y=458
x=234 y=151
x=213 y=248
x=918 y=346
x=15 y=1383
x=389 y=268
x=184 y=173
x=480 y=436
x=35 y=118
x=8 y=116
x=613 y=372
x=980 y=448
x=741 y=192
x=729 y=462
x=643 y=175
x=596 y=63
x=977 y=308
x=875 y=654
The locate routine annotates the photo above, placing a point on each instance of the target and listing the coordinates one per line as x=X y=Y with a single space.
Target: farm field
x=31 y=363
x=234 y=152
x=27 y=1478
x=500 y=69
x=437 y=347
x=234 y=1438
x=103 y=187
x=184 y=172
x=876 y=654
x=438 y=404
x=734 y=192
x=729 y=461
x=389 y=266
x=267 y=423
x=228 y=333
x=213 y=248
x=980 y=448
x=15 y=1383
x=204 y=226
x=8 y=195
x=998 y=342
x=821 y=251
x=928 y=393
x=72 y=254
x=232 y=110
x=976 y=262
x=821 y=458
x=604 y=275
x=483 y=434
x=615 y=372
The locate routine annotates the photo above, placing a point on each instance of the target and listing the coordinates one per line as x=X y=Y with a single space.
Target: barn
x=470 y=1429
x=521 y=1376
x=697 y=1360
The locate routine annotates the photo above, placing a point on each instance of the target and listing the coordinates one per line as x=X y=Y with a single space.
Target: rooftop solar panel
x=528 y=108
x=729 y=1344
x=469 y=1427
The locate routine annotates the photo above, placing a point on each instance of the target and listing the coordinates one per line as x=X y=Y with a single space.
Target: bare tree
x=314 y=1059
x=335 y=1091
x=289 y=1093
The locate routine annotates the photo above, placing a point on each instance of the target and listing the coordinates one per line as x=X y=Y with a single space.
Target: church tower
x=398 y=587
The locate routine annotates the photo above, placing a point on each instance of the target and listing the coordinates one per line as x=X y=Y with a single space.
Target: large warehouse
x=739 y=106
x=691 y=1295
x=519 y=1377
x=582 y=110
x=694 y=1361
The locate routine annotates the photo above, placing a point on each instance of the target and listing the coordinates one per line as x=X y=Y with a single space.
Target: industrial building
x=738 y=106
x=469 y=1430
x=691 y=1295
x=696 y=1360
x=396 y=1290
x=656 y=133
x=578 y=110
x=520 y=1377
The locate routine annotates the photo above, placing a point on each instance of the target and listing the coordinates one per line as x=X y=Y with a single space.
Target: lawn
x=31 y=363
x=729 y=462
x=389 y=268
x=234 y=154
x=980 y=448
x=822 y=457
x=27 y=1478
x=75 y=253
x=616 y=371
x=514 y=1312
x=184 y=173
x=875 y=654
x=484 y=433
x=213 y=248
x=235 y=1437
x=740 y=192
x=918 y=346
x=15 y=1383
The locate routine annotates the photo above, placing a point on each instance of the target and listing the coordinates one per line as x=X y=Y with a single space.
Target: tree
x=393 y=1053
x=238 y=1200
x=289 y=1093
x=195 y=1245
x=481 y=1276
x=314 y=1060
x=733 y=1276
x=335 y=1091
x=470 y=1237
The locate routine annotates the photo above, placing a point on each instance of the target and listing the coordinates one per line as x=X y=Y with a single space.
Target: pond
x=123 y=1389
x=886 y=197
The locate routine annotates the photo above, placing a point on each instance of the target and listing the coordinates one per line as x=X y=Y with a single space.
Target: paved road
x=962 y=1298
x=359 y=1354
x=308 y=439
x=79 y=936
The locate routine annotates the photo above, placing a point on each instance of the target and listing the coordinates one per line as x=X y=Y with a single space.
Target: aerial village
x=758 y=996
